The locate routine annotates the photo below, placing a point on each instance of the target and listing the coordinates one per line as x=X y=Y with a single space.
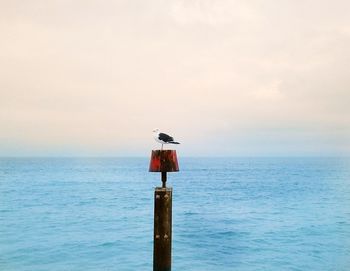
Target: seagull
x=163 y=138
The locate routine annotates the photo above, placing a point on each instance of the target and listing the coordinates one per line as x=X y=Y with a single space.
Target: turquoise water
x=228 y=214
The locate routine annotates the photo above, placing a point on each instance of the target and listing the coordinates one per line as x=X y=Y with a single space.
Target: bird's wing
x=165 y=137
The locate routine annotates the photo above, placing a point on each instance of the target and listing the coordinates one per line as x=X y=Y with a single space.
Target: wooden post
x=162 y=161
x=162 y=229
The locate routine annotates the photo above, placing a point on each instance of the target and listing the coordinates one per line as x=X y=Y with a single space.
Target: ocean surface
x=228 y=214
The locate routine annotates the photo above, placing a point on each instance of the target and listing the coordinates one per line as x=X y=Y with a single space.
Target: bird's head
x=156 y=130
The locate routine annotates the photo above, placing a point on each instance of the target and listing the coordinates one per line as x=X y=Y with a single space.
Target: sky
x=225 y=78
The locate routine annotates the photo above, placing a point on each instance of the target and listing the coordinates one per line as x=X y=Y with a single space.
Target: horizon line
x=185 y=156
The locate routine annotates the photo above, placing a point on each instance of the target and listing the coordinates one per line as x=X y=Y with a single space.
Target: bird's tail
x=173 y=142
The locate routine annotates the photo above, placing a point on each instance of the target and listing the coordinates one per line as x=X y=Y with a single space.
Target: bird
x=163 y=138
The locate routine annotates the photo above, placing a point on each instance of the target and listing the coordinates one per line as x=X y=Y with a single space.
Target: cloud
x=266 y=77
x=211 y=12
x=270 y=92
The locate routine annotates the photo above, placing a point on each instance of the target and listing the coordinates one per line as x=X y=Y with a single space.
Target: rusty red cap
x=163 y=161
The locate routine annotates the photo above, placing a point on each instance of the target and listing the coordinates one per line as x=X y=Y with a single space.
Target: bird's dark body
x=165 y=137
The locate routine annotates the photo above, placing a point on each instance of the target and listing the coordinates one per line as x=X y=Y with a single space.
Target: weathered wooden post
x=162 y=161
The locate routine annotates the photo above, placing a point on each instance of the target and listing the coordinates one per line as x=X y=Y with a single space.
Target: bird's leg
x=162 y=147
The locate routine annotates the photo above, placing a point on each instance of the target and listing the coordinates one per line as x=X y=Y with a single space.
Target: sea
x=96 y=214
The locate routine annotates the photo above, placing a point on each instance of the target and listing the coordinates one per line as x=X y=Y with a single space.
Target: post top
x=163 y=189
x=163 y=161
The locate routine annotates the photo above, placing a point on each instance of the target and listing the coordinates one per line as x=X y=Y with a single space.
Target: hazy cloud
x=227 y=77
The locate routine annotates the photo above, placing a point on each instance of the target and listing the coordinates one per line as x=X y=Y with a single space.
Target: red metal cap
x=163 y=161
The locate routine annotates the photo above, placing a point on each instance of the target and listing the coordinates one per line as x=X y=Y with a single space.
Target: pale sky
x=237 y=78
